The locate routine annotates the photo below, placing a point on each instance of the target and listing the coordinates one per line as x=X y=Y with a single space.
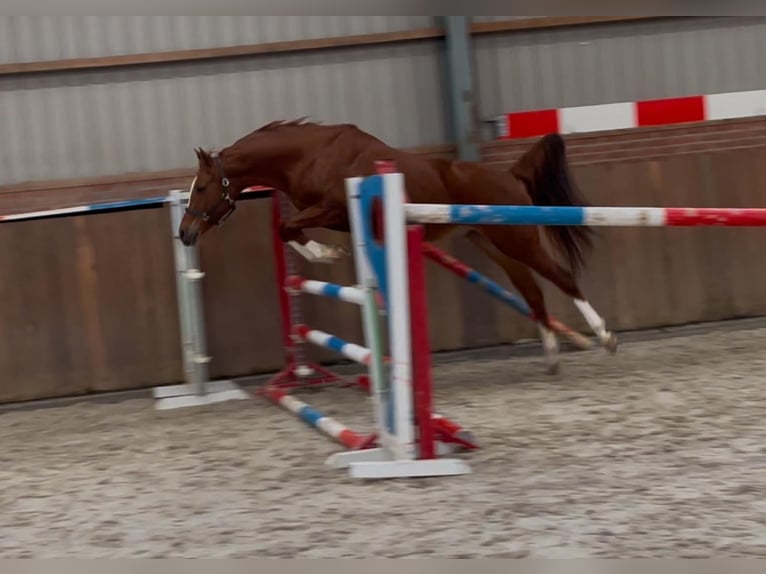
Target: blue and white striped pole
x=356 y=353
x=325 y=289
x=579 y=216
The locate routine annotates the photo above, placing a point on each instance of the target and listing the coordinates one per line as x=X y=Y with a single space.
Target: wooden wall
x=89 y=304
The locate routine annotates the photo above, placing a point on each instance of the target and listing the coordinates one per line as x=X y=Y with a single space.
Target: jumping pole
x=498 y=292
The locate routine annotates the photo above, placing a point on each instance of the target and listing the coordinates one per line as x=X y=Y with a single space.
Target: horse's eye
x=201 y=189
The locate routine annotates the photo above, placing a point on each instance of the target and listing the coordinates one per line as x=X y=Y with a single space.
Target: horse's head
x=210 y=200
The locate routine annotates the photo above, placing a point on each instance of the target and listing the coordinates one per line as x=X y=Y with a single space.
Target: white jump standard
x=407 y=429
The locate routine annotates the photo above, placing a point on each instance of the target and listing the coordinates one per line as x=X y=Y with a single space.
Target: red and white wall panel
x=624 y=115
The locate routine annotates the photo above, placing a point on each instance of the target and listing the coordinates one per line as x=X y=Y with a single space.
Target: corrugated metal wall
x=89 y=123
x=615 y=62
x=35 y=38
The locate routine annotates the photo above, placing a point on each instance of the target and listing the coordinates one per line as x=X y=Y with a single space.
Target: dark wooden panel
x=136 y=297
x=89 y=305
x=476 y=308
x=446 y=320
x=240 y=293
x=638 y=257
x=734 y=182
x=675 y=184
x=39 y=317
x=752 y=272
x=711 y=243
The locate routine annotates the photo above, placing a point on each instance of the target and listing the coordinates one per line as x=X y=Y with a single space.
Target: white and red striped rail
x=626 y=115
x=312 y=417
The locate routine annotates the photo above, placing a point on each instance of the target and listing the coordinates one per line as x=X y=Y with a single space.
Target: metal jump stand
x=197 y=389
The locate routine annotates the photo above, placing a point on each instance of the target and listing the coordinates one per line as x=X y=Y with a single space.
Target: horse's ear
x=204 y=158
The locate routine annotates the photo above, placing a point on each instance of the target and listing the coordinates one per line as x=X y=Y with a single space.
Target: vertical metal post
x=179 y=259
x=461 y=86
x=197 y=389
x=190 y=309
x=200 y=358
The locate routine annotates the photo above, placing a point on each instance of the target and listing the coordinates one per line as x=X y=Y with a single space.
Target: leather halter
x=225 y=197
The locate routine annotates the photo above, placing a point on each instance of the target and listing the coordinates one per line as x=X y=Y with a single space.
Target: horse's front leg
x=291 y=231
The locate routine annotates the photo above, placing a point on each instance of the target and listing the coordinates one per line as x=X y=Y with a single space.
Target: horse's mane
x=302 y=122
x=271 y=126
x=276 y=125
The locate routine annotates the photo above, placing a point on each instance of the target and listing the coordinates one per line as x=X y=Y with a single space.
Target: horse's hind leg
x=524 y=245
x=291 y=231
x=597 y=324
x=522 y=278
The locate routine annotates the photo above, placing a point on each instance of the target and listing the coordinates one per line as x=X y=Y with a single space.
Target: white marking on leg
x=550 y=347
x=596 y=323
x=594 y=319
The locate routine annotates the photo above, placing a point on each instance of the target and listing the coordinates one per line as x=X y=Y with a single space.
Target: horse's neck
x=267 y=166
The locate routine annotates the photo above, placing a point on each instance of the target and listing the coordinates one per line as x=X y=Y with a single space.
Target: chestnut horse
x=309 y=162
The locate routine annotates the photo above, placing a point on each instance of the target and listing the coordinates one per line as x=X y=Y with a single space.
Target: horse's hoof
x=611 y=343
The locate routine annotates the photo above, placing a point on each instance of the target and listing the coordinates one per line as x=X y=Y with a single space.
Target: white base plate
x=377 y=463
x=181 y=396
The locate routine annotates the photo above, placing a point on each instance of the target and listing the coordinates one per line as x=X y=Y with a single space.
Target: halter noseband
x=225 y=197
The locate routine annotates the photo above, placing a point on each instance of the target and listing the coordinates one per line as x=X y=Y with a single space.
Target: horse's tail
x=545 y=171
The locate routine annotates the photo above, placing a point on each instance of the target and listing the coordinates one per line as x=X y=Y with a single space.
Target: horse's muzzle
x=188 y=235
